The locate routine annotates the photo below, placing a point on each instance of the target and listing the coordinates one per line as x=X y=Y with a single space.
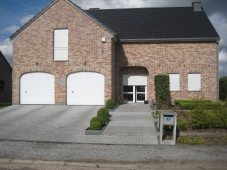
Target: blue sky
x=15 y=13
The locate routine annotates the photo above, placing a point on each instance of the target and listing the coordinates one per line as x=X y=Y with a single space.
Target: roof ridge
x=138 y=8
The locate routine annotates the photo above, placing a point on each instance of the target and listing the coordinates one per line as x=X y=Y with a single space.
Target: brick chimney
x=197 y=6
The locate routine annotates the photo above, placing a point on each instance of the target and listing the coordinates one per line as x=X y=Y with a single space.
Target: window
x=174 y=80
x=60 y=44
x=194 y=82
x=1 y=85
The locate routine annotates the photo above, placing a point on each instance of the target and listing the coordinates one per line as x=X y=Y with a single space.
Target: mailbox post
x=168 y=118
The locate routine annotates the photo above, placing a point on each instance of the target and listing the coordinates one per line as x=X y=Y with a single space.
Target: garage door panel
x=37 y=88
x=81 y=100
x=85 y=88
x=37 y=100
x=37 y=91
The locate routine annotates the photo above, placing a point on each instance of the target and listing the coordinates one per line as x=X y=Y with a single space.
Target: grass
x=3 y=105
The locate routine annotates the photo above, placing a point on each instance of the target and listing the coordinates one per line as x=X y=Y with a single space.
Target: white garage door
x=85 y=88
x=37 y=88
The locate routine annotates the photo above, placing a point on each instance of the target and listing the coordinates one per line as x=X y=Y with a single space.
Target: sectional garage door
x=85 y=88
x=37 y=88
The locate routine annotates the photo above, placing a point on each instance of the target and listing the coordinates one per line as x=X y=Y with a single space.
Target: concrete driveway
x=54 y=123
x=45 y=122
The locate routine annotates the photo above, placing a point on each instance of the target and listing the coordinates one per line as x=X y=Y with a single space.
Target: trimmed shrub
x=162 y=92
x=181 y=124
x=97 y=119
x=192 y=104
x=111 y=102
x=103 y=112
x=110 y=107
x=199 y=119
x=105 y=119
x=95 y=126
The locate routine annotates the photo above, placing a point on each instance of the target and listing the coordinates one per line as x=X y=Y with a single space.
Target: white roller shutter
x=136 y=80
x=60 y=44
x=37 y=88
x=85 y=88
x=174 y=80
x=194 y=82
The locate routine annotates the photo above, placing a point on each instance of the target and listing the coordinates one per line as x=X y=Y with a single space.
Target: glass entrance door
x=140 y=93
x=133 y=94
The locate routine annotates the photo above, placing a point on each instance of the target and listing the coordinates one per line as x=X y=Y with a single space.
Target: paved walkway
x=132 y=120
x=53 y=123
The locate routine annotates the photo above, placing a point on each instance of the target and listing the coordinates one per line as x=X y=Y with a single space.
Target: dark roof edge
x=92 y=18
x=5 y=60
x=52 y=3
x=172 y=40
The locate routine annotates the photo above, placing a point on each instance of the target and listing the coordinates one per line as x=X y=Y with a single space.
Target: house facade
x=5 y=80
x=67 y=55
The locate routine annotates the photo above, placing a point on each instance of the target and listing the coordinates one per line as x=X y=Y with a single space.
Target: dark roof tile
x=156 y=23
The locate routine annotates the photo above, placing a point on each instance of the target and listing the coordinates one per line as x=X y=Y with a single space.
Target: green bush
x=103 y=112
x=191 y=140
x=181 y=124
x=223 y=88
x=111 y=102
x=105 y=119
x=97 y=119
x=199 y=119
x=192 y=104
x=95 y=126
x=162 y=92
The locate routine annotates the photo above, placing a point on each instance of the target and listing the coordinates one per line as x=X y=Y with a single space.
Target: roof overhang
x=172 y=40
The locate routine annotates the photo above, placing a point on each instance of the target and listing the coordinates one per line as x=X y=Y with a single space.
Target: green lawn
x=3 y=105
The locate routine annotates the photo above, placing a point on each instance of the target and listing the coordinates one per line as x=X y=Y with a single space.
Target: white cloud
x=6 y=49
x=223 y=56
x=220 y=25
x=25 y=19
x=10 y=29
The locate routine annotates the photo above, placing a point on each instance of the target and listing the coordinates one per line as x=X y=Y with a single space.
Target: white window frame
x=194 y=82
x=174 y=81
x=61 y=44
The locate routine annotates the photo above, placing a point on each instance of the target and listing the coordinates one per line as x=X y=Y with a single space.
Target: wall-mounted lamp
x=37 y=63
x=103 y=39
x=85 y=63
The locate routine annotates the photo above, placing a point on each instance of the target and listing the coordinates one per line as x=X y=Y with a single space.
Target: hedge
x=192 y=104
x=162 y=92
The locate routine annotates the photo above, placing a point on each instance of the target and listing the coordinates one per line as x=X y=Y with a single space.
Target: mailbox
x=168 y=118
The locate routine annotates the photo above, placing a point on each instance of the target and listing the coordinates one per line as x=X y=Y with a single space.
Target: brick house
x=67 y=55
x=5 y=80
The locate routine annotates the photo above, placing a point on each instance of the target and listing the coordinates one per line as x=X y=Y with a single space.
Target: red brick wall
x=35 y=44
x=182 y=58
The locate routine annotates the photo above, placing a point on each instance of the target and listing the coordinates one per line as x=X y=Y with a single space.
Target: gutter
x=211 y=39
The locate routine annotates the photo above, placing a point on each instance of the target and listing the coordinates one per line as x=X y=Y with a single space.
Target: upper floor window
x=194 y=82
x=61 y=45
x=174 y=80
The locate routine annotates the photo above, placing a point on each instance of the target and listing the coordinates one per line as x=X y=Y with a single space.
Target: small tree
x=223 y=88
x=162 y=92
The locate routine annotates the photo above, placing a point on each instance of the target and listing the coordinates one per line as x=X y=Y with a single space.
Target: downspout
x=12 y=41
x=217 y=56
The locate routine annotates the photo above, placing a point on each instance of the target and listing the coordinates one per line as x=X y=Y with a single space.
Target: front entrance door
x=133 y=94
